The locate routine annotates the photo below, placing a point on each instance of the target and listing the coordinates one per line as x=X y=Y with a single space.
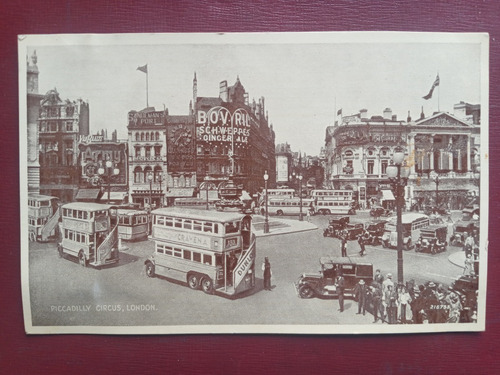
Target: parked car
x=462 y=228
x=335 y=226
x=322 y=284
x=432 y=239
x=378 y=211
x=375 y=230
x=354 y=230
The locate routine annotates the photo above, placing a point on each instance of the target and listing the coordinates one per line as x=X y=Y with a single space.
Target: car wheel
x=408 y=245
x=81 y=259
x=306 y=291
x=193 y=281
x=279 y=213
x=207 y=285
x=150 y=269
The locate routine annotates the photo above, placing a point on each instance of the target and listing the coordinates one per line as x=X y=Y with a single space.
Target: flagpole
x=147 y=90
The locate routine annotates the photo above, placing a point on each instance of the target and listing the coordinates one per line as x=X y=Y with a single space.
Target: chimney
x=394 y=117
x=223 y=92
x=363 y=113
x=387 y=113
x=408 y=119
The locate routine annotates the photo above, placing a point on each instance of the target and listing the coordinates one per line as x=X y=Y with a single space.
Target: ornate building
x=233 y=138
x=61 y=123
x=441 y=149
x=147 y=156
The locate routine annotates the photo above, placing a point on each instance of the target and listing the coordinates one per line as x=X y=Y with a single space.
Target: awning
x=114 y=195
x=387 y=195
x=87 y=194
x=180 y=192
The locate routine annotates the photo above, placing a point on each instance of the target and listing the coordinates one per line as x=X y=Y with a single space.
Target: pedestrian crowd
x=408 y=303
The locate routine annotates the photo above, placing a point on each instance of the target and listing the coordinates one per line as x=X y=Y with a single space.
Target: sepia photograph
x=304 y=183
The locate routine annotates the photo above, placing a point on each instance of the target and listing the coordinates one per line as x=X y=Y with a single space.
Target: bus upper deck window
x=169 y=222
x=232 y=227
x=207 y=259
x=197 y=225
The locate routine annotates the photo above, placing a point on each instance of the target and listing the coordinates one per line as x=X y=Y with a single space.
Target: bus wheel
x=150 y=269
x=306 y=291
x=81 y=259
x=327 y=212
x=193 y=281
x=207 y=285
x=279 y=213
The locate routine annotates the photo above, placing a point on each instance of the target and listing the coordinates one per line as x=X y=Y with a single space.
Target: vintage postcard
x=324 y=183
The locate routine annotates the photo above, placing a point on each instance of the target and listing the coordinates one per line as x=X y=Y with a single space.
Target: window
x=148 y=151
x=197 y=225
x=383 y=165
x=178 y=223
x=69 y=126
x=370 y=165
x=187 y=254
x=177 y=252
x=197 y=257
x=207 y=259
x=188 y=224
x=137 y=151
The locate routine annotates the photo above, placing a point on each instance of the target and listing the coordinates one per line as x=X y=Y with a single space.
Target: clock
x=181 y=136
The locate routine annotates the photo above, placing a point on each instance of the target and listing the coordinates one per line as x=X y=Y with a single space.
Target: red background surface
x=454 y=353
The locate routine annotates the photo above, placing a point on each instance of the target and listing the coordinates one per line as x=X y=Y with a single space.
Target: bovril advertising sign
x=219 y=124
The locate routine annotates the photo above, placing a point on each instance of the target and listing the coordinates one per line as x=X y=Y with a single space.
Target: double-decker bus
x=328 y=202
x=88 y=233
x=211 y=250
x=197 y=203
x=286 y=206
x=43 y=216
x=133 y=224
x=280 y=193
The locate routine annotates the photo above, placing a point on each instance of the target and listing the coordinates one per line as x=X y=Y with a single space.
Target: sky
x=304 y=78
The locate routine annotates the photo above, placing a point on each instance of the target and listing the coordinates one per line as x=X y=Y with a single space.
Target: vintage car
x=353 y=230
x=462 y=229
x=322 y=284
x=432 y=239
x=378 y=211
x=335 y=226
x=375 y=229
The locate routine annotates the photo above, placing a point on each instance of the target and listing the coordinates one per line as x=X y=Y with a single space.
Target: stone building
x=61 y=124
x=441 y=150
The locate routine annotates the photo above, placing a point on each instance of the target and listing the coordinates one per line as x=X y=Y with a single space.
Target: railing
x=50 y=225
x=107 y=246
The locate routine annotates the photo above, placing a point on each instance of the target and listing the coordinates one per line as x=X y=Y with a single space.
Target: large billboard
x=94 y=153
x=219 y=124
x=281 y=168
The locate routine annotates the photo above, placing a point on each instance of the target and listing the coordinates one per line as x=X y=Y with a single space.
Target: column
x=411 y=153
x=468 y=153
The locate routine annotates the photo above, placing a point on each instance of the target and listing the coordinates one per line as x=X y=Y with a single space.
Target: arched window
x=157 y=136
x=147 y=172
x=142 y=136
x=138 y=175
x=147 y=137
x=137 y=136
x=158 y=174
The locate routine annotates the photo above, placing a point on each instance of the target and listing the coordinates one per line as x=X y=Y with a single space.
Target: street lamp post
x=266 y=221
x=436 y=181
x=160 y=179
x=109 y=172
x=398 y=176
x=301 y=217
x=206 y=189
x=150 y=179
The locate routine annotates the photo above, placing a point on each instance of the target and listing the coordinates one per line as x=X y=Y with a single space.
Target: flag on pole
x=143 y=68
x=339 y=112
x=436 y=83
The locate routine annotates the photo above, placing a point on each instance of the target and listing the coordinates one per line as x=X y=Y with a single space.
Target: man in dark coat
x=360 y=292
x=339 y=283
x=343 y=246
x=361 y=241
x=376 y=295
x=266 y=267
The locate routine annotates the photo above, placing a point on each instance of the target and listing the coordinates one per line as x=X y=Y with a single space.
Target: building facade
x=147 y=157
x=61 y=123
x=234 y=139
x=440 y=148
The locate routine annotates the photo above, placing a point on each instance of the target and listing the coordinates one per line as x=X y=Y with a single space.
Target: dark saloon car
x=335 y=226
x=378 y=211
x=322 y=284
x=432 y=239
